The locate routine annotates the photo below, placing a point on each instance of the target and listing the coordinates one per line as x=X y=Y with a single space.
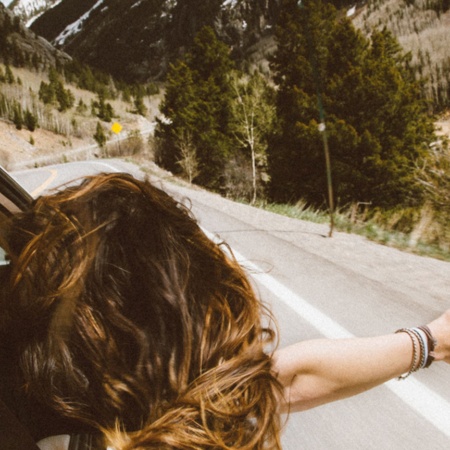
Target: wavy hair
x=137 y=324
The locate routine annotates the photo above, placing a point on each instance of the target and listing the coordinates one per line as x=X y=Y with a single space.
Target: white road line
x=427 y=403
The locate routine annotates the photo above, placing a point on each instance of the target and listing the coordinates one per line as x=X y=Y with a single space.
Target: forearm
x=321 y=371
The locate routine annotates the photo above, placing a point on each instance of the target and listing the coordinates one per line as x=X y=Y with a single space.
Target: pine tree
x=30 y=120
x=81 y=107
x=18 y=116
x=102 y=109
x=179 y=117
x=47 y=93
x=376 y=122
x=139 y=105
x=54 y=92
x=100 y=136
x=196 y=103
x=295 y=156
x=65 y=97
x=126 y=95
x=9 y=76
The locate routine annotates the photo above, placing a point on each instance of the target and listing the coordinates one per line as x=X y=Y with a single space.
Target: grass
x=345 y=221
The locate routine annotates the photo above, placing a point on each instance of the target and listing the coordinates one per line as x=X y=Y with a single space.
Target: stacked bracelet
x=431 y=344
x=422 y=353
x=414 y=366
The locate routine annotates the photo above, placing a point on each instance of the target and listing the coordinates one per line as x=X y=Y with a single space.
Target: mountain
x=29 y=10
x=21 y=46
x=136 y=39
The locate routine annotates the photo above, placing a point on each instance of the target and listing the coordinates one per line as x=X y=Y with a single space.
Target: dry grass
x=424 y=237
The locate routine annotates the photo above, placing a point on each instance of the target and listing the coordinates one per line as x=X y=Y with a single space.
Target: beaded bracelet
x=422 y=353
x=413 y=367
x=423 y=347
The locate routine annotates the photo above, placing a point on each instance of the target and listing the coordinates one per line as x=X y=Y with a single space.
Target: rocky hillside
x=21 y=46
x=135 y=40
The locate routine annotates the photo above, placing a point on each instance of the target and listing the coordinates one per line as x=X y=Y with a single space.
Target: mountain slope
x=62 y=14
x=422 y=28
x=29 y=10
x=21 y=46
x=135 y=39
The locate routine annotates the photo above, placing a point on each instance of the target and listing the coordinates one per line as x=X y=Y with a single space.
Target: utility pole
x=322 y=129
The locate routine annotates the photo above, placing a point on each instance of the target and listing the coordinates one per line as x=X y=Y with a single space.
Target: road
x=313 y=294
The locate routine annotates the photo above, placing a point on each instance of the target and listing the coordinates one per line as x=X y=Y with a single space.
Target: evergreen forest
x=261 y=134
x=326 y=78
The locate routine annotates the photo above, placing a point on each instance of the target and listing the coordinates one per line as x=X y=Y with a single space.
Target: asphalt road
x=312 y=296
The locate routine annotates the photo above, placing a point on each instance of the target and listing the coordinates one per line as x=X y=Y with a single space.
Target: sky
x=6 y=2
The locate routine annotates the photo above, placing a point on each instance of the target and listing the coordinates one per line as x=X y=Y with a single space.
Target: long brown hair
x=137 y=323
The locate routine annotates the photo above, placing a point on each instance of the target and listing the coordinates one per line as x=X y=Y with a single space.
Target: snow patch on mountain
x=351 y=11
x=30 y=10
x=229 y=3
x=75 y=27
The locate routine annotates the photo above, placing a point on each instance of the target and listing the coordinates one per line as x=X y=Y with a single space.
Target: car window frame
x=13 y=199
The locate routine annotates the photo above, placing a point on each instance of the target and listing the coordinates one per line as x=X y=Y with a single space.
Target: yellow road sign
x=116 y=128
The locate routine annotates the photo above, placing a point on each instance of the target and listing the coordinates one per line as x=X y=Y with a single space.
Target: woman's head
x=131 y=315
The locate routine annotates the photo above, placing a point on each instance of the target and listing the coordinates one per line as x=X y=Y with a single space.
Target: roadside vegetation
x=327 y=80
x=419 y=235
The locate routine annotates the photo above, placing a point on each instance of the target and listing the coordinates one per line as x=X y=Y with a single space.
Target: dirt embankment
x=22 y=145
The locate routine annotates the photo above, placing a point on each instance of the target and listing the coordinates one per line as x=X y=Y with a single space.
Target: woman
x=142 y=333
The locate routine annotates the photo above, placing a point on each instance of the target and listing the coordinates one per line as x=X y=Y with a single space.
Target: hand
x=440 y=329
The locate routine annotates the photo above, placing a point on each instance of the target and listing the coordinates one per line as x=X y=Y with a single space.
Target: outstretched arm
x=323 y=370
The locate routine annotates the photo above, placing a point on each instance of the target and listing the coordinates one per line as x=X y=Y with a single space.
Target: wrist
x=423 y=348
x=440 y=329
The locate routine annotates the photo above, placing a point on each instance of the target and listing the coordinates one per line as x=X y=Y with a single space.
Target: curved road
x=313 y=296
